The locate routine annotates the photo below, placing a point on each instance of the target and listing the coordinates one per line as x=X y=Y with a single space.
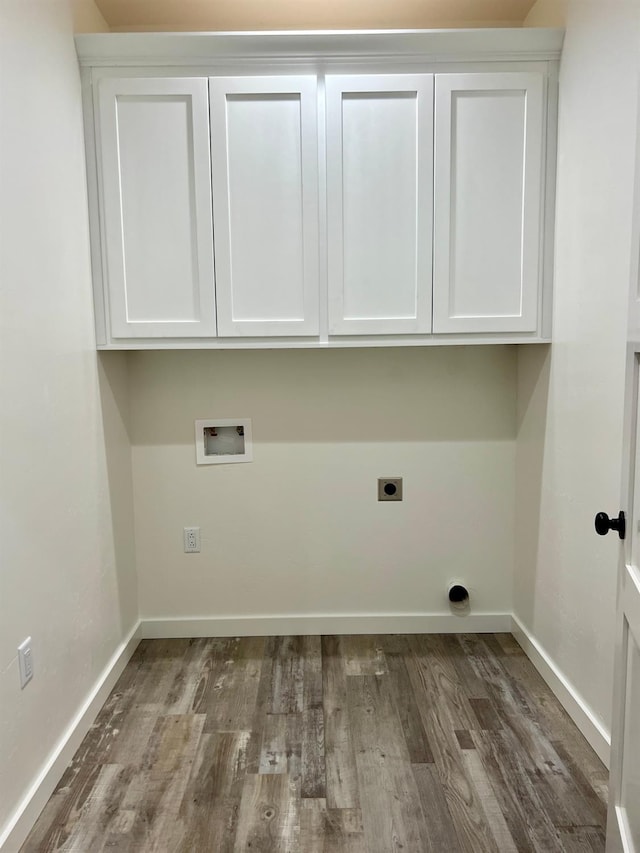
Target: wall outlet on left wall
x=191 y=540
x=25 y=662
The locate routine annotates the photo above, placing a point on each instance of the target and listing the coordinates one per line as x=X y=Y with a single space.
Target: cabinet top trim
x=202 y=48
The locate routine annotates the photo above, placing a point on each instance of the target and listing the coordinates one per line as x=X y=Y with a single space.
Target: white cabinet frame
x=120 y=287
x=417 y=87
x=526 y=285
x=304 y=320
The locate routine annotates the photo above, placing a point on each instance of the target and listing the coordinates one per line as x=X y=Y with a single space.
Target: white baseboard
x=582 y=715
x=357 y=623
x=24 y=817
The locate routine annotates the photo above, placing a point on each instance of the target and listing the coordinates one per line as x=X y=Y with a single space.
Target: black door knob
x=604 y=524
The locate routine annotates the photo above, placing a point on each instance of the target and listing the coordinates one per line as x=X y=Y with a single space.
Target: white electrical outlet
x=191 y=540
x=25 y=661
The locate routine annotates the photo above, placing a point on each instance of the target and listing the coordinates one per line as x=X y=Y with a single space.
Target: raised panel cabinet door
x=379 y=203
x=489 y=132
x=264 y=154
x=155 y=177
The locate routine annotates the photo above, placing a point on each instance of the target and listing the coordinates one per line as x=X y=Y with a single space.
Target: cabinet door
x=264 y=154
x=153 y=137
x=488 y=190
x=380 y=194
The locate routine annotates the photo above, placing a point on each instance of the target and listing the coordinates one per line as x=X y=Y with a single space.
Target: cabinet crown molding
x=204 y=48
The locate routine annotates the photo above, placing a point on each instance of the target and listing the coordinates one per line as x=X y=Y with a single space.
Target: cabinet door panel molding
x=380 y=201
x=488 y=195
x=264 y=151
x=156 y=204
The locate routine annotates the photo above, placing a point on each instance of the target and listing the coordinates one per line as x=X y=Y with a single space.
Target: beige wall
x=300 y=530
x=66 y=522
x=570 y=398
x=233 y=15
x=547 y=13
x=87 y=18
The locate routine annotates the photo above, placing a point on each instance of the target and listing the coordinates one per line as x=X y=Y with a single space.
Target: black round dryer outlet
x=458 y=594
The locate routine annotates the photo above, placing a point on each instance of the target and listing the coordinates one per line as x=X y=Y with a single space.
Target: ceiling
x=233 y=15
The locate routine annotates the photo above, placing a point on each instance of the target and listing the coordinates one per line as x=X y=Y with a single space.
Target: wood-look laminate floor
x=366 y=744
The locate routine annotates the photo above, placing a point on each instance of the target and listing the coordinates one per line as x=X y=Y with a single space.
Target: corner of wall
x=547 y=13
x=113 y=381
x=87 y=18
x=533 y=374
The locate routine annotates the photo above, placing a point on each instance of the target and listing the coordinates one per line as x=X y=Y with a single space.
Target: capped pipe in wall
x=458 y=594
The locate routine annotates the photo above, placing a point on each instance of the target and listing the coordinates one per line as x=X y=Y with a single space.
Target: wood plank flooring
x=365 y=744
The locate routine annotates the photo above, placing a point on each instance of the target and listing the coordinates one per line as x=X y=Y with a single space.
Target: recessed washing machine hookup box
x=222 y=440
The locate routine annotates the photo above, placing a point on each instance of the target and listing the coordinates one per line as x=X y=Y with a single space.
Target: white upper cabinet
x=379 y=203
x=348 y=189
x=154 y=173
x=264 y=151
x=489 y=131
